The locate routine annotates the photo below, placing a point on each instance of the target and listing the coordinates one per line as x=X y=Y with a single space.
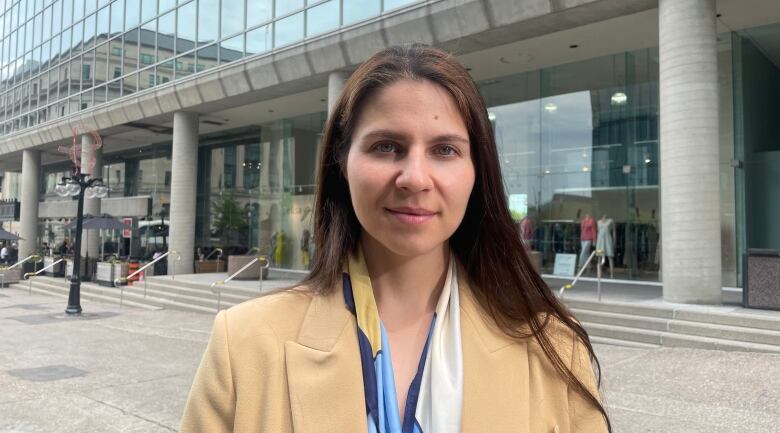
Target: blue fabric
x=380 y=392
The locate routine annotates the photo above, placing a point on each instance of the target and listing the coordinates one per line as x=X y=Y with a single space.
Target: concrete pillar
x=336 y=82
x=184 y=176
x=28 y=212
x=690 y=186
x=90 y=239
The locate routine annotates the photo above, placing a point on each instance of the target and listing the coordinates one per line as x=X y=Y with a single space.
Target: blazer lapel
x=324 y=374
x=495 y=373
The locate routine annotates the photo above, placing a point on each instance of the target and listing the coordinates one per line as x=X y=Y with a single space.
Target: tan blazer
x=290 y=362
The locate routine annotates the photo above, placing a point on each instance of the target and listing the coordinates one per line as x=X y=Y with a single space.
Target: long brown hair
x=486 y=242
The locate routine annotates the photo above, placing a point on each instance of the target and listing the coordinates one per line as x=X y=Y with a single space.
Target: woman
x=422 y=312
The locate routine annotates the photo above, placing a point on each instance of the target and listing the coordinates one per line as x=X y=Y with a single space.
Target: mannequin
x=587 y=237
x=605 y=241
x=527 y=232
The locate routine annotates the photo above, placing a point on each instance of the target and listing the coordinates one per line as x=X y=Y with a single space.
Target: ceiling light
x=619 y=98
x=585 y=169
x=491 y=116
x=547 y=172
x=551 y=107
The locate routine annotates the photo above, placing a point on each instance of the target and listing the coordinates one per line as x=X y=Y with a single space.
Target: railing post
x=144 y=283
x=598 y=276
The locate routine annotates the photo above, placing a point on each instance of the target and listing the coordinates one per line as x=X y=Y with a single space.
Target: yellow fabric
x=365 y=304
x=290 y=362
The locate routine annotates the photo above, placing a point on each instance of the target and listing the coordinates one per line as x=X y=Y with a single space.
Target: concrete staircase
x=175 y=295
x=718 y=328
x=637 y=324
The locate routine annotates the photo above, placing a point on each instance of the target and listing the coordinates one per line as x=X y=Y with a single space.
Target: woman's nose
x=415 y=174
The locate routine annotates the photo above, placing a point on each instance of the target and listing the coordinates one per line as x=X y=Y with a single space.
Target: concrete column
x=690 y=186
x=184 y=176
x=28 y=212
x=90 y=239
x=336 y=82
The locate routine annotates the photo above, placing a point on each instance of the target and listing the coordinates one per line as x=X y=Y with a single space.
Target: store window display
x=606 y=241
x=587 y=237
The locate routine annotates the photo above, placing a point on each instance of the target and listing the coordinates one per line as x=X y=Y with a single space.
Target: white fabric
x=440 y=402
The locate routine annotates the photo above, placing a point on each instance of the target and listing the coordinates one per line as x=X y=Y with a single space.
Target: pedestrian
x=4 y=254
x=422 y=312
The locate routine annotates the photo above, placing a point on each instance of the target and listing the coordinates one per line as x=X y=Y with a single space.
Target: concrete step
x=42 y=289
x=111 y=295
x=620 y=319
x=714 y=315
x=200 y=289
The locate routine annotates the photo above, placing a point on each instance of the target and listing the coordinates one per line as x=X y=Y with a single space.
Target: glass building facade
x=58 y=57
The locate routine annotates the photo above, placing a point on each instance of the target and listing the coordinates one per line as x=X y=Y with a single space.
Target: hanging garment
x=605 y=242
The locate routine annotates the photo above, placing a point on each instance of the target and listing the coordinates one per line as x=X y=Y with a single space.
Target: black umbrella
x=104 y=221
x=8 y=236
x=92 y=222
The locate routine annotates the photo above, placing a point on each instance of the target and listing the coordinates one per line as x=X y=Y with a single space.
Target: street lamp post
x=80 y=184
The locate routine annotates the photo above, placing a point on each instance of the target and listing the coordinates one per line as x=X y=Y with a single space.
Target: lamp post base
x=73 y=310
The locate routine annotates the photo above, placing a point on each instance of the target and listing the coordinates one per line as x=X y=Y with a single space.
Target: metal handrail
x=118 y=281
x=36 y=258
x=600 y=254
x=29 y=275
x=218 y=292
x=215 y=250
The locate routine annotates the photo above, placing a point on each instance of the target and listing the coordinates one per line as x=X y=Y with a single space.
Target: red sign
x=127 y=233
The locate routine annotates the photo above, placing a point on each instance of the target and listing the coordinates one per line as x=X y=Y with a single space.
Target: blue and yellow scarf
x=435 y=397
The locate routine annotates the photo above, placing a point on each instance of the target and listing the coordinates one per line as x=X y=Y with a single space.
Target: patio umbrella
x=101 y=222
x=5 y=235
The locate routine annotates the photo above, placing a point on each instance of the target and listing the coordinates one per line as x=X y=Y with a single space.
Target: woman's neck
x=406 y=289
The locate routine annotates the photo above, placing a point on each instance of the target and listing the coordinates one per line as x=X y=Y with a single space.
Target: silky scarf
x=435 y=397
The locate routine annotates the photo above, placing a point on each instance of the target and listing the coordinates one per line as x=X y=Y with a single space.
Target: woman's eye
x=385 y=147
x=446 y=150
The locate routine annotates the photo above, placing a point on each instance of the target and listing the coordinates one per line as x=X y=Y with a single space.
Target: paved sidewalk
x=129 y=370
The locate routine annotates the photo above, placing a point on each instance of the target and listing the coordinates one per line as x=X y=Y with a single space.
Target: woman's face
x=409 y=167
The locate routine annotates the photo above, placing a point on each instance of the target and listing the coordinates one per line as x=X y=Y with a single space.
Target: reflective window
x=166 y=26
x=103 y=21
x=132 y=13
x=231 y=49
x=232 y=17
x=117 y=17
x=322 y=18
x=288 y=30
x=258 y=40
x=185 y=35
x=89 y=31
x=284 y=7
x=148 y=10
x=258 y=12
x=130 y=52
x=394 y=4
x=208 y=11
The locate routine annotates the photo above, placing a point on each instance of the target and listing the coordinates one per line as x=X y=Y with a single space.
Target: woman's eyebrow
x=395 y=135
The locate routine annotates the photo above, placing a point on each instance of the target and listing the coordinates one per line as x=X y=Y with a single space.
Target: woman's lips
x=414 y=216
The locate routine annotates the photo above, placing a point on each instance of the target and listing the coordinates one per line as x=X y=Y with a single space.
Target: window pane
x=286 y=6
x=207 y=59
x=102 y=24
x=258 y=40
x=258 y=12
x=289 y=30
x=77 y=37
x=322 y=18
x=207 y=30
x=78 y=10
x=182 y=63
x=132 y=14
x=89 y=7
x=148 y=9
x=46 y=23
x=166 y=27
x=358 y=10
x=232 y=49
x=130 y=53
x=56 y=14
x=129 y=84
x=101 y=64
x=232 y=17
x=117 y=17
x=185 y=36
x=166 y=5
x=89 y=31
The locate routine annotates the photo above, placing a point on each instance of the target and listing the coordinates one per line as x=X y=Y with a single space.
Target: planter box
x=105 y=273
x=251 y=273
x=57 y=270
x=209 y=266
x=82 y=265
x=10 y=276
